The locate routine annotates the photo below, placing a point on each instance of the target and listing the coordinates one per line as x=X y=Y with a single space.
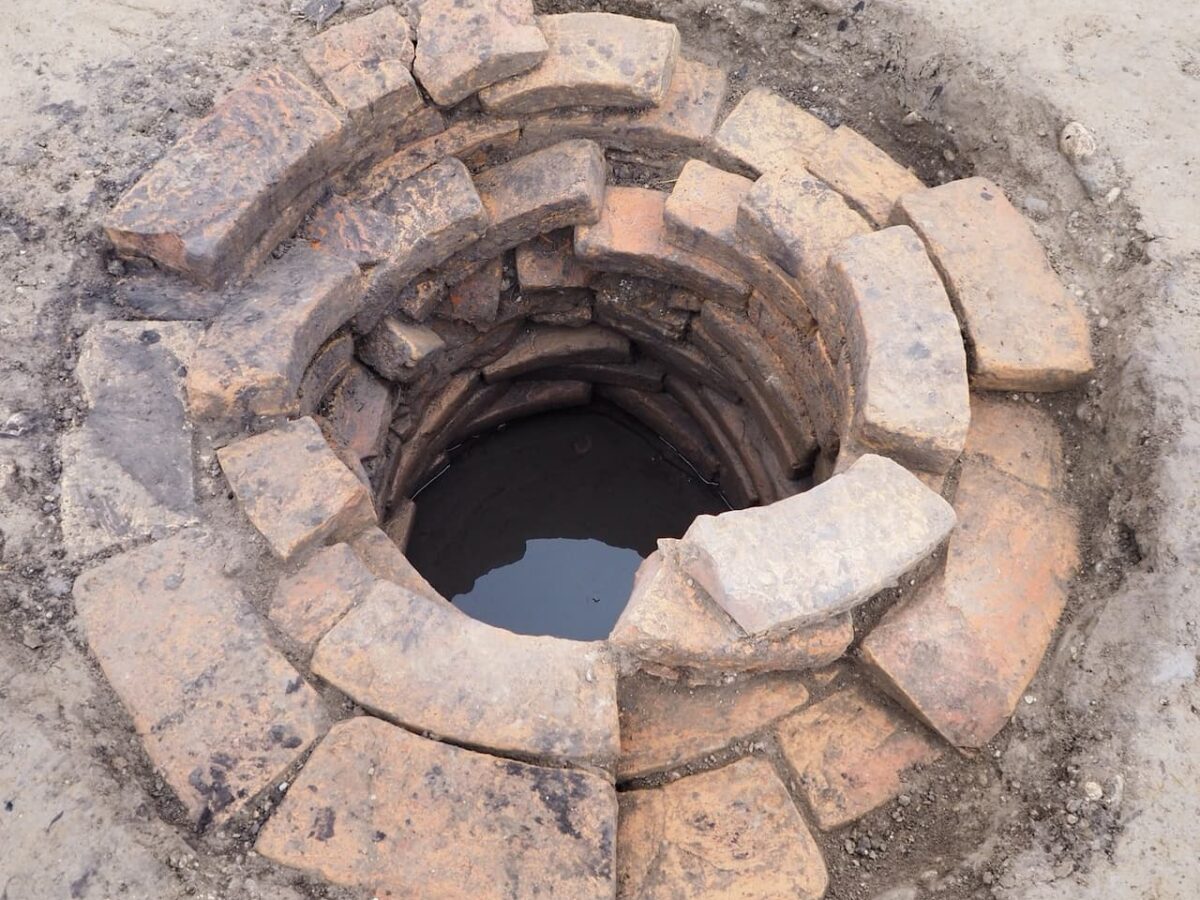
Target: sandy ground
x=91 y=92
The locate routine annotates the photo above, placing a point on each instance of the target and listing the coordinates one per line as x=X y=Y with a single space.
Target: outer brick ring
x=800 y=317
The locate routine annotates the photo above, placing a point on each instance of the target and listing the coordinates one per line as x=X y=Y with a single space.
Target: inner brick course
x=799 y=316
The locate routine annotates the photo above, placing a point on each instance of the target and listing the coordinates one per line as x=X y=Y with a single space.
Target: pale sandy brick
x=544 y=347
x=1024 y=331
x=1018 y=439
x=961 y=652
x=851 y=754
x=906 y=353
x=222 y=715
x=466 y=45
x=429 y=667
x=667 y=724
x=310 y=601
x=595 y=59
x=294 y=489
x=401 y=816
x=682 y=123
x=670 y=621
x=234 y=184
x=663 y=415
x=630 y=237
x=252 y=358
x=732 y=832
x=765 y=132
x=862 y=173
x=819 y=554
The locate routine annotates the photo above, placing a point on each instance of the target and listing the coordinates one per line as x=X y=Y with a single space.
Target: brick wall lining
x=798 y=311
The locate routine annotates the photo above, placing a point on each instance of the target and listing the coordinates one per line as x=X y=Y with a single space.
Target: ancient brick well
x=423 y=236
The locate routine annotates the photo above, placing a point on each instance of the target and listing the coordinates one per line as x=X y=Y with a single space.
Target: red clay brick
x=1018 y=439
x=356 y=413
x=862 y=173
x=309 y=602
x=476 y=299
x=548 y=262
x=469 y=140
x=543 y=347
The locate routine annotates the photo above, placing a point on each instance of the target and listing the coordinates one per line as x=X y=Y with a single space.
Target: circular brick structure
x=395 y=263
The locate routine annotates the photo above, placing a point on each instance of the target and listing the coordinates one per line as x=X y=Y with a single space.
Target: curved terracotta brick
x=639 y=308
x=630 y=237
x=906 y=352
x=546 y=346
x=682 y=123
x=469 y=139
x=595 y=59
x=1024 y=331
x=765 y=132
x=310 y=601
x=380 y=808
x=806 y=559
x=252 y=359
x=862 y=173
x=663 y=415
x=962 y=651
x=528 y=398
x=1018 y=439
x=737 y=485
x=239 y=174
x=431 y=668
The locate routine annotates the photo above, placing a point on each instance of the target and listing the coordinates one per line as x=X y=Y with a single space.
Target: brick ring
x=390 y=272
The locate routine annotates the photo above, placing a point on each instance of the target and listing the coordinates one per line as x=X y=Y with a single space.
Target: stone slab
x=668 y=724
x=671 y=621
x=862 y=173
x=962 y=650
x=234 y=178
x=127 y=470
x=380 y=808
x=733 y=832
x=548 y=346
x=811 y=557
x=294 y=488
x=630 y=237
x=766 y=133
x=911 y=400
x=221 y=714
x=251 y=360
x=682 y=123
x=1024 y=331
x=466 y=45
x=851 y=754
x=594 y=59
x=431 y=668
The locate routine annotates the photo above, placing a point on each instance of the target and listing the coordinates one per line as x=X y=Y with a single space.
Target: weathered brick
x=221 y=714
x=548 y=262
x=736 y=483
x=326 y=368
x=294 y=489
x=543 y=347
x=735 y=420
x=429 y=667
x=690 y=363
x=397 y=350
x=1024 y=331
x=682 y=123
x=962 y=651
x=667 y=724
x=1017 y=439
x=528 y=398
x=386 y=560
x=476 y=299
x=862 y=173
x=364 y=64
x=594 y=59
x=664 y=416
x=310 y=601
x=204 y=208
x=437 y=213
x=642 y=374
x=764 y=383
x=797 y=222
x=383 y=809
x=733 y=832
x=466 y=139
x=356 y=413
x=350 y=230
x=465 y=45
x=765 y=133
x=670 y=621
x=427 y=122
x=550 y=189
x=851 y=753
x=251 y=360
x=810 y=557
x=630 y=238
x=638 y=308
x=577 y=316
x=127 y=469
x=400 y=523
x=910 y=369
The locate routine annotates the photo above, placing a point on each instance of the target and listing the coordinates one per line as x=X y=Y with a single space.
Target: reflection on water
x=539 y=527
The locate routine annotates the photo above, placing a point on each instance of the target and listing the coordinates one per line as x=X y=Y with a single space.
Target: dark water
x=538 y=527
